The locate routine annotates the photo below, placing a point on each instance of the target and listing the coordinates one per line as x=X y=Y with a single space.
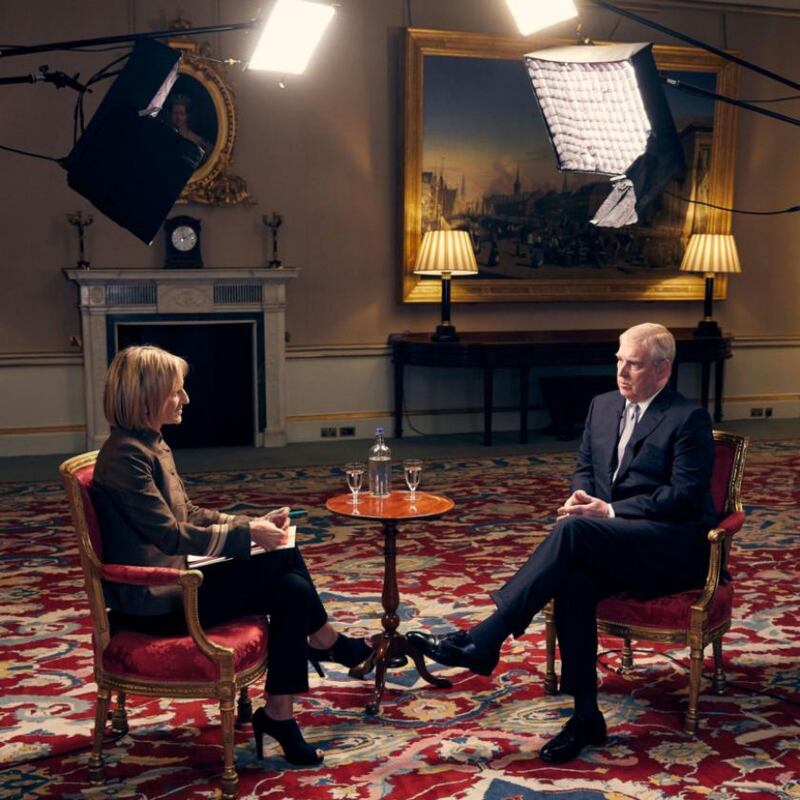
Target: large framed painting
x=477 y=155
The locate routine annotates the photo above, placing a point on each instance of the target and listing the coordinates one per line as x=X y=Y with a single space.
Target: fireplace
x=228 y=324
x=221 y=381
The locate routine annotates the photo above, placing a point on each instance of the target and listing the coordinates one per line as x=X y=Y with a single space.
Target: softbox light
x=131 y=166
x=606 y=113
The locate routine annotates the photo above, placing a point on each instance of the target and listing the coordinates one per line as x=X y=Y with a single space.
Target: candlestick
x=273 y=222
x=81 y=222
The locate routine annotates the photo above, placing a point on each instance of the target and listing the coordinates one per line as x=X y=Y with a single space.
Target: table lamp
x=445 y=254
x=710 y=253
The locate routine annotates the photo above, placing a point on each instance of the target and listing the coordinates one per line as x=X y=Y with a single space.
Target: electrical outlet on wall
x=347 y=431
x=327 y=433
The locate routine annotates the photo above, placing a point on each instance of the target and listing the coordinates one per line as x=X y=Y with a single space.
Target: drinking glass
x=412 y=469
x=355 y=475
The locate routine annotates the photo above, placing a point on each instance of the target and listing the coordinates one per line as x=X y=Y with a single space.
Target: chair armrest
x=730 y=525
x=725 y=529
x=140 y=576
x=189 y=580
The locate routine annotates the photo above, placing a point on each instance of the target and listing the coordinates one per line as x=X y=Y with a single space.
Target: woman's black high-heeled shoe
x=345 y=650
x=286 y=732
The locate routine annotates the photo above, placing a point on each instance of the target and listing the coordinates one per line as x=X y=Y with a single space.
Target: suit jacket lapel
x=646 y=425
x=611 y=442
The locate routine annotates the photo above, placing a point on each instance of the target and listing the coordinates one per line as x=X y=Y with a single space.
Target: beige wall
x=325 y=153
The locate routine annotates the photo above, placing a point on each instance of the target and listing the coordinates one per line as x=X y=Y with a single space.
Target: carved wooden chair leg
x=100 y=716
x=719 y=670
x=550 y=677
x=119 y=717
x=230 y=780
x=244 y=708
x=626 y=664
x=695 y=675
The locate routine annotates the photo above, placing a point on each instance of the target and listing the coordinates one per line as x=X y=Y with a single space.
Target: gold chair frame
x=224 y=689
x=697 y=634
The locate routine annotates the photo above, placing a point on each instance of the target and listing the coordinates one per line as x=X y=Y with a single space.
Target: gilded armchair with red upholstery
x=212 y=663
x=693 y=618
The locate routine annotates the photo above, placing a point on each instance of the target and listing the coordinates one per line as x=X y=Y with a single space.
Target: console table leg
x=524 y=374
x=488 y=392
x=719 y=374
x=398 y=398
x=705 y=379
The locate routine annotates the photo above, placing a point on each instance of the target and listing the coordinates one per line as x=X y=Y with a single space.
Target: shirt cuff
x=611 y=513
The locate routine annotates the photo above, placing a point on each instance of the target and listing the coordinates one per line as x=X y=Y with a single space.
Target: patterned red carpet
x=476 y=740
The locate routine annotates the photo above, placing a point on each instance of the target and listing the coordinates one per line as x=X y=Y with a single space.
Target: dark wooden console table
x=525 y=349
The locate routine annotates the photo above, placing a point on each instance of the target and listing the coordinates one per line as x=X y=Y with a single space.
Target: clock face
x=184 y=238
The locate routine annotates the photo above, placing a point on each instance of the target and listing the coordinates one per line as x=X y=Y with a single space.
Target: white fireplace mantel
x=183 y=294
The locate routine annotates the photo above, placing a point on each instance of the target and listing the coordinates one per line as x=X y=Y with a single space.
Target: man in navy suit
x=636 y=520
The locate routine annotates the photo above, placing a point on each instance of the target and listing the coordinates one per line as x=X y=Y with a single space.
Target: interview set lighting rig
x=131 y=165
x=605 y=109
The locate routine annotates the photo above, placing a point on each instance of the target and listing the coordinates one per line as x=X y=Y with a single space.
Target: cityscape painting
x=478 y=158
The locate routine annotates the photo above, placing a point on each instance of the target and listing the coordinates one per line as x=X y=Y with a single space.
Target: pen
x=297 y=512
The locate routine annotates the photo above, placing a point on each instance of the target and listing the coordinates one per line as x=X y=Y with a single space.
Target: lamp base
x=445 y=333
x=707 y=327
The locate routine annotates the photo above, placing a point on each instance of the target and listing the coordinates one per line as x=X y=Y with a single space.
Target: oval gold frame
x=211 y=183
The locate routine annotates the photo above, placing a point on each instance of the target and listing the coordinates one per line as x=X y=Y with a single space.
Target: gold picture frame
x=713 y=152
x=202 y=106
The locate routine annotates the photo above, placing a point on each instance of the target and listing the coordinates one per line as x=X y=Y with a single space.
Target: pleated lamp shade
x=711 y=253
x=446 y=253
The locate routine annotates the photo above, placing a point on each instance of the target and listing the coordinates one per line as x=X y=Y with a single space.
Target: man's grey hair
x=658 y=342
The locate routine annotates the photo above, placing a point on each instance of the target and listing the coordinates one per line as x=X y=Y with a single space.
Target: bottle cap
x=379 y=431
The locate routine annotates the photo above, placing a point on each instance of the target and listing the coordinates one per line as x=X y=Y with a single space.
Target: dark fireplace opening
x=220 y=383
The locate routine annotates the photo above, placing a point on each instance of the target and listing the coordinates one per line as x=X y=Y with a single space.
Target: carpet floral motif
x=478 y=740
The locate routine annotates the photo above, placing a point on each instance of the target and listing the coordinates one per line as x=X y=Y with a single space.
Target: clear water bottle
x=379 y=466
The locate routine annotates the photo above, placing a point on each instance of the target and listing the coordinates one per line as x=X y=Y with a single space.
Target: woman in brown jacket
x=147 y=519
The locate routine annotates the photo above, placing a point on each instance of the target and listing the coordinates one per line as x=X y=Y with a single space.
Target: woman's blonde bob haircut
x=138 y=383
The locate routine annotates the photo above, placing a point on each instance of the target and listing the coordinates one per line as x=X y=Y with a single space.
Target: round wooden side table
x=390 y=511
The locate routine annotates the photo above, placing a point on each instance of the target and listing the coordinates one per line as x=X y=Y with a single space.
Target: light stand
x=58 y=79
x=74 y=44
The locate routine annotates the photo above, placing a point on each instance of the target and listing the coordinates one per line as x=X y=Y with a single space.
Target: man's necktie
x=629 y=420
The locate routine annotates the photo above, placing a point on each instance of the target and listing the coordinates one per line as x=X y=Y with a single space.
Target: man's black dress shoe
x=454 y=650
x=574 y=736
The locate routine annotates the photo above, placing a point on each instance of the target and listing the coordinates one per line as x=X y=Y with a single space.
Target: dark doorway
x=221 y=412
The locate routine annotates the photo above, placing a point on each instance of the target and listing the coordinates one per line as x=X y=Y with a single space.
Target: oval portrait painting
x=191 y=111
